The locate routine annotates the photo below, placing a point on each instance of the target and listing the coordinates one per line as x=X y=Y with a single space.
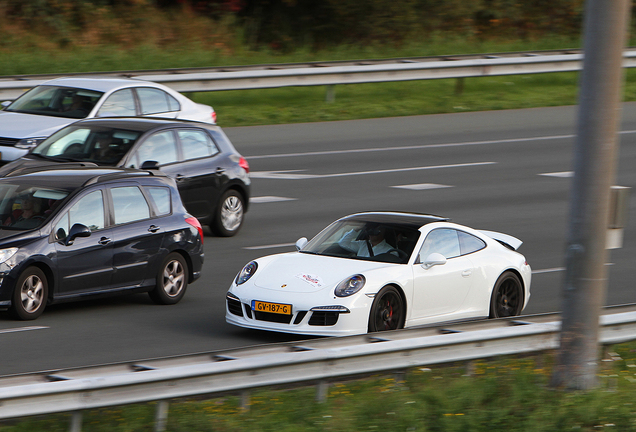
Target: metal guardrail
x=332 y=73
x=317 y=360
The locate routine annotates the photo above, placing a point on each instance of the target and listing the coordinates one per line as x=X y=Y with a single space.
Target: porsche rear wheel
x=387 y=311
x=507 y=296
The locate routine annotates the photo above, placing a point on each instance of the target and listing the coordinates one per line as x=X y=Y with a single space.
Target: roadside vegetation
x=510 y=394
x=47 y=36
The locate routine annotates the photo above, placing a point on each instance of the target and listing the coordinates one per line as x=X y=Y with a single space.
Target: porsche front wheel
x=507 y=296
x=388 y=311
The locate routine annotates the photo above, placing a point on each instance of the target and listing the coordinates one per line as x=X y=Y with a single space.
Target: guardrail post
x=246 y=400
x=322 y=390
x=76 y=422
x=161 y=416
x=459 y=86
x=331 y=93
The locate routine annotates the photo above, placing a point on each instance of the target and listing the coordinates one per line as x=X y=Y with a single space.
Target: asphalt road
x=501 y=170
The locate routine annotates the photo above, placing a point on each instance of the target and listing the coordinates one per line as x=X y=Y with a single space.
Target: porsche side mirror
x=5 y=104
x=433 y=260
x=301 y=243
x=77 y=230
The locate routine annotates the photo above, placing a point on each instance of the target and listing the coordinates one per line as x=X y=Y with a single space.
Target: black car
x=213 y=178
x=67 y=234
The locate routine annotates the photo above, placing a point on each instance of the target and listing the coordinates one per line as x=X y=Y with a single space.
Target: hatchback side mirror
x=150 y=164
x=433 y=260
x=301 y=243
x=77 y=230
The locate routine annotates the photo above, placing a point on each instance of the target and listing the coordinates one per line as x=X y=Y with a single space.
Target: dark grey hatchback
x=68 y=234
x=212 y=177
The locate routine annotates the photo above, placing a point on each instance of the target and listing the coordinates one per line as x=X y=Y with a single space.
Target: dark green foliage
x=286 y=25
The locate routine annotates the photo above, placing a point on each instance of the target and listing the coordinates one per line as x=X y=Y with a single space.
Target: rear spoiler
x=507 y=240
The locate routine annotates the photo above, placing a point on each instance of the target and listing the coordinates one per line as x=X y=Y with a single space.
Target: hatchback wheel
x=30 y=294
x=229 y=214
x=172 y=280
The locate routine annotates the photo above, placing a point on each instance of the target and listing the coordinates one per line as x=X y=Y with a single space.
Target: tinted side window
x=160 y=147
x=89 y=211
x=196 y=144
x=129 y=204
x=443 y=241
x=152 y=101
x=161 y=197
x=469 y=243
x=120 y=103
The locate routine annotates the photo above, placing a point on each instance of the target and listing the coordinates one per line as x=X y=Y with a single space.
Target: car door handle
x=179 y=177
x=104 y=241
x=467 y=273
x=154 y=228
x=220 y=171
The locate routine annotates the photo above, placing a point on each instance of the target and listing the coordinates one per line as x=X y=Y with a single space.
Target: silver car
x=46 y=108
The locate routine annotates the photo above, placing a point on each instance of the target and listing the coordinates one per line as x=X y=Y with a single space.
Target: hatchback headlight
x=350 y=286
x=29 y=143
x=247 y=272
x=5 y=254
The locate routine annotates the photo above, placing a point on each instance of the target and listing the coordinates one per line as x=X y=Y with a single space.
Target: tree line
x=287 y=24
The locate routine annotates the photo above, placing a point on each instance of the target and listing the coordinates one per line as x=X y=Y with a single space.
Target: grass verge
x=510 y=394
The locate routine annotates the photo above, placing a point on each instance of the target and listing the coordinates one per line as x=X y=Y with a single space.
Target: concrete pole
x=595 y=155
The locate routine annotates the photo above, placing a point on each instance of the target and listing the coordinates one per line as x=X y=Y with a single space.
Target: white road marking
x=291 y=175
x=550 y=270
x=280 y=245
x=21 y=329
x=562 y=174
x=269 y=199
x=422 y=186
x=421 y=146
x=558 y=269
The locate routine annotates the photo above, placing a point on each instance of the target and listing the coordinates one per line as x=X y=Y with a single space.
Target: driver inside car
x=369 y=243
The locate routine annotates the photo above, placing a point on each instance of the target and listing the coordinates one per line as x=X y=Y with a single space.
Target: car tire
x=30 y=294
x=172 y=280
x=228 y=218
x=507 y=296
x=388 y=311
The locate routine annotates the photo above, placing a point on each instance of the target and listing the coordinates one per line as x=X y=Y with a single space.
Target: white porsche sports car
x=379 y=271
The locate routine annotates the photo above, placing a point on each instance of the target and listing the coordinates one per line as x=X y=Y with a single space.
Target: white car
x=49 y=107
x=380 y=271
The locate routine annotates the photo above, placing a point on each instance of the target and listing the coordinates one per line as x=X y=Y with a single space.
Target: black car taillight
x=243 y=164
x=195 y=223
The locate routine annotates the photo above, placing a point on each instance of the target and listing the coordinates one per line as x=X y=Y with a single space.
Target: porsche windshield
x=371 y=241
x=56 y=101
x=26 y=207
x=104 y=146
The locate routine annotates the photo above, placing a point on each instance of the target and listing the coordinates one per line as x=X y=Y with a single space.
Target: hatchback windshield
x=104 y=146
x=366 y=240
x=56 y=101
x=26 y=207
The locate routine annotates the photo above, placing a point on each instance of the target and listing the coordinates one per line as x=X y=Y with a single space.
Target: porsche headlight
x=5 y=254
x=350 y=286
x=247 y=272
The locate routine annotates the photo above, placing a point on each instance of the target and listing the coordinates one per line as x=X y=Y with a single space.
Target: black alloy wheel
x=388 y=311
x=507 y=296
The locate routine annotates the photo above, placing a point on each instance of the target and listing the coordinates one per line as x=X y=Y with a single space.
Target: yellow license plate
x=277 y=308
